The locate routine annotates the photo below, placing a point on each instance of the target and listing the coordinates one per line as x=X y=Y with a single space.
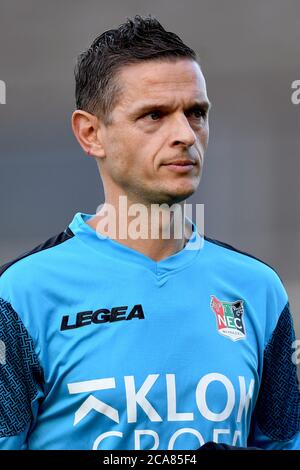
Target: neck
x=157 y=231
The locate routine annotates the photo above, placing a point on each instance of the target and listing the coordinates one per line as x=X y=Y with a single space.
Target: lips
x=181 y=162
x=180 y=166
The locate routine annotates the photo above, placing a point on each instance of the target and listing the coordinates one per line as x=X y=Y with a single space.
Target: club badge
x=229 y=318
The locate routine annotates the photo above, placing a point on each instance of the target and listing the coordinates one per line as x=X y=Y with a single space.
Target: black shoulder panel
x=278 y=405
x=21 y=374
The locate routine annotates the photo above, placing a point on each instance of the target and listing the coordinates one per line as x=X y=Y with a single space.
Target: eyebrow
x=146 y=107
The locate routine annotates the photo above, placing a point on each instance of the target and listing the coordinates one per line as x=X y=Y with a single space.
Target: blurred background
x=250 y=56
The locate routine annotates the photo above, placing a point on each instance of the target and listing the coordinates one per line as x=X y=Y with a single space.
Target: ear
x=87 y=130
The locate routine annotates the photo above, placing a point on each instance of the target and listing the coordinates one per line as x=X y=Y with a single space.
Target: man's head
x=142 y=104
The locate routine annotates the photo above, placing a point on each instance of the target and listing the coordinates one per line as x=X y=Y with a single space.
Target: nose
x=183 y=133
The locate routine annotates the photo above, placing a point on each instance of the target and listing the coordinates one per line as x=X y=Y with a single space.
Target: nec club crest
x=229 y=318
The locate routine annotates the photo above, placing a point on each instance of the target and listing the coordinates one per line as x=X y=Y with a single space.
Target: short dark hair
x=138 y=39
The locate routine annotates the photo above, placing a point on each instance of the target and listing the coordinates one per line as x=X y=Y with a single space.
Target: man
x=113 y=341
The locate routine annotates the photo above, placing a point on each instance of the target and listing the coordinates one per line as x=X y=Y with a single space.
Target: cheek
x=124 y=159
x=118 y=149
x=203 y=138
x=134 y=154
x=206 y=136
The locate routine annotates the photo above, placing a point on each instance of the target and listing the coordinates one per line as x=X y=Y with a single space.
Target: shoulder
x=231 y=255
x=29 y=267
x=248 y=270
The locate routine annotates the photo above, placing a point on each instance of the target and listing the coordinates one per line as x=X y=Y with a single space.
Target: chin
x=173 y=197
x=169 y=193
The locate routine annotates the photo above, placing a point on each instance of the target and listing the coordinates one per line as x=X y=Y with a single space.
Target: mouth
x=180 y=166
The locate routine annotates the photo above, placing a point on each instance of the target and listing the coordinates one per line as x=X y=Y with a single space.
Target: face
x=154 y=146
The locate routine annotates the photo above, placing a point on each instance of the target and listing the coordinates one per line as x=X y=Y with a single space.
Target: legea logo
x=2 y=92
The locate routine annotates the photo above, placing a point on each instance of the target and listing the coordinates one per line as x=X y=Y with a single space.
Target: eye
x=154 y=115
x=198 y=113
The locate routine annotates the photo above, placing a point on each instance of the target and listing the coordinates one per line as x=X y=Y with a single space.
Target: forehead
x=161 y=80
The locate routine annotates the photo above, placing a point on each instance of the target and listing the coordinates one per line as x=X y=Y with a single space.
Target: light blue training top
x=103 y=348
